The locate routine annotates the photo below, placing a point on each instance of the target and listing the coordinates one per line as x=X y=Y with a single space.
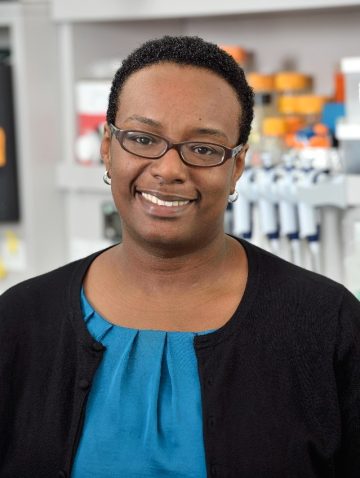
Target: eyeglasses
x=153 y=146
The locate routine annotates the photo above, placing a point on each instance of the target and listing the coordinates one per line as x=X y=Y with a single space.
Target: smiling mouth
x=155 y=200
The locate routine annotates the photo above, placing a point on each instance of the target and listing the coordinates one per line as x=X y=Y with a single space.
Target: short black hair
x=187 y=50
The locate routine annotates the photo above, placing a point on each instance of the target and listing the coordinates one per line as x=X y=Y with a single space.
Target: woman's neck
x=199 y=290
x=152 y=271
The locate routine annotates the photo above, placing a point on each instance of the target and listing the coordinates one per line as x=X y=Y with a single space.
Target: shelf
x=113 y=10
x=341 y=192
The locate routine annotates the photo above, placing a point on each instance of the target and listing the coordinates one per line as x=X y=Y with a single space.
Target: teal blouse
x=143 y=416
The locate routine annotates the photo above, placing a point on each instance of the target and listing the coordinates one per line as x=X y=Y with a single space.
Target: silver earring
x=233 y=197
x=106 y=178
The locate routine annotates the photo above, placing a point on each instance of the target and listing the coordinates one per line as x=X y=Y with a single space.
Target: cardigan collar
x=72 y=300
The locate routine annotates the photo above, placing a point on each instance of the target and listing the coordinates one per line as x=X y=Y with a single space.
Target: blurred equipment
x=91 y=103
x=112 y=222
x=351 y=69
x=9 y=198
x=263 y=86
x=348 y=130
x=294 y=190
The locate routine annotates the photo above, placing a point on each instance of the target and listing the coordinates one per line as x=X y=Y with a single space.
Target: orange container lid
x=321 y=129
x=294 y=123
x=292 y=81
x=287 y=105
x=274 y=126
x=261 y=83
x=290 y=140
x=310 y=104
x=238 y=53
x=320 y=142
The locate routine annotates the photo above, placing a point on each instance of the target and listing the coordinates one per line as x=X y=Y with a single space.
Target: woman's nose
x=169 y=168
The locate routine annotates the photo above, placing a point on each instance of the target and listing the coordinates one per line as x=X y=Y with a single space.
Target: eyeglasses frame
x=228 y=152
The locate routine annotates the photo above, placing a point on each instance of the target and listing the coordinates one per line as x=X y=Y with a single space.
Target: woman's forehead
x=176 y=75
x=180 y=93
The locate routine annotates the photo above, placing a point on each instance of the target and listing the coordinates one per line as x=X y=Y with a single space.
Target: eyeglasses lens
x=202 y=154
x=144 y=144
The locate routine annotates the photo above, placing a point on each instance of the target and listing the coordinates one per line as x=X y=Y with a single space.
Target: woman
x=181 y=352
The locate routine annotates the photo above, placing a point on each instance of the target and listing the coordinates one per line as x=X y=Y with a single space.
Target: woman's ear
x=105 y=148
x=239 y=166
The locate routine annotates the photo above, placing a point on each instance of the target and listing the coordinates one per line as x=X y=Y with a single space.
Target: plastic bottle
x=310 y=108
x=287 y=107
x=263 y=86
x=292 y=83
x=272 y=143
x=289 y=85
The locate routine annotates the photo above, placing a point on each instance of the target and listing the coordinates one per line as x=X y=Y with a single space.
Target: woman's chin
x=169 y=239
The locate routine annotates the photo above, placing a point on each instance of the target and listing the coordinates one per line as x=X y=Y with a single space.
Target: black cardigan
x=280 y=381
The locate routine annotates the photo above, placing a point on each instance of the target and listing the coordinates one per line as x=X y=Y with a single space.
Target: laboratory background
x=299 y=196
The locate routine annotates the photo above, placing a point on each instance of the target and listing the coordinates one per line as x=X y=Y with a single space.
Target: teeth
x=155 y=200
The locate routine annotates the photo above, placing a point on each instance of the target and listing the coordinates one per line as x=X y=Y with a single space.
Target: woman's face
x=181 y=103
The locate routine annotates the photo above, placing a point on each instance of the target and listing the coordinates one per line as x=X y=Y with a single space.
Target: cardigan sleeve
x=347 y=372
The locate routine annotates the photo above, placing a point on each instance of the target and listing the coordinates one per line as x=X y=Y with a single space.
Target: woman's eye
x=141 y=139
x=145 y=140
x=202 y=150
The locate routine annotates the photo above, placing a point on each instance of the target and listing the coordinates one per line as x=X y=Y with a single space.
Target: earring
x=233 y=197
x=106 y=178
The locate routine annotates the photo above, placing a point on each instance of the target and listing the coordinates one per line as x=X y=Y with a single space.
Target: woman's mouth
x=155 y=200
x=165 y=206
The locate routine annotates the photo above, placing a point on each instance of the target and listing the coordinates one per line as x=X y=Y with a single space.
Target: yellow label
x=11 y=242
x=3 y=271
x=2 y=147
